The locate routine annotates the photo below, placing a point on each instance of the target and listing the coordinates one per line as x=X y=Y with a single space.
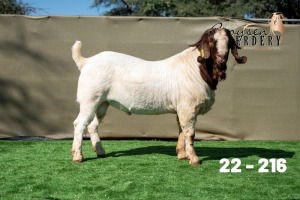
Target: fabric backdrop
x=38 y=78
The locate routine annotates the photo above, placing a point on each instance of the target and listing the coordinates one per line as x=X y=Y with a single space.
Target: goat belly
x=140 y=110
x=139 y=100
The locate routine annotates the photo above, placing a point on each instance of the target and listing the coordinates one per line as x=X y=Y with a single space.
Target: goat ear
x=239 y=59
x=205 y=50
x=234 y=48
x=203 y=46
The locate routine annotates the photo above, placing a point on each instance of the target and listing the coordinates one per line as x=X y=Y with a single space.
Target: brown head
x=214 y=48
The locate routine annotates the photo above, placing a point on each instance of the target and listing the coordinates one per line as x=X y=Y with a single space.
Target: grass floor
x=135 y=169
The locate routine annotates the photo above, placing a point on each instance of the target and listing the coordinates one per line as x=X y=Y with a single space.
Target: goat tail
x=76 y=55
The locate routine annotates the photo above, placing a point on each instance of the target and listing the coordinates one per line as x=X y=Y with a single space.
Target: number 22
x=226 y=162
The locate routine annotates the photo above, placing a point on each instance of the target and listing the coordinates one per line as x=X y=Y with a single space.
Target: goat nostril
x=221 y=59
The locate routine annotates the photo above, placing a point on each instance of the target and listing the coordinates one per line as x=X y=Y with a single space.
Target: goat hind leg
x=77 y=140
x=93 y=130
x=95 y=140
x=75 y=123
x=80 y=124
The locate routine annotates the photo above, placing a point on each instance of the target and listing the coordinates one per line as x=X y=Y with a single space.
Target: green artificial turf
x=135 y=169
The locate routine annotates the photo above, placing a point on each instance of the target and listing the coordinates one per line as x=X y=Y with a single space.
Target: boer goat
x=183 y=84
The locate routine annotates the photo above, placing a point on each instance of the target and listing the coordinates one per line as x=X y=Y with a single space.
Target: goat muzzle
x=221 y=71
x=221 y=60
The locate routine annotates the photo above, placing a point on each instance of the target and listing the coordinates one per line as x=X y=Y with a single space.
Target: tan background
x=38 y=79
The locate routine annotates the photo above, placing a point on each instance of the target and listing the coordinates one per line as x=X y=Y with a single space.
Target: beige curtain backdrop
x=38 y=79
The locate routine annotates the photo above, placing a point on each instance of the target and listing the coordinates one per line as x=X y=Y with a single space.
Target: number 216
x=277 y=165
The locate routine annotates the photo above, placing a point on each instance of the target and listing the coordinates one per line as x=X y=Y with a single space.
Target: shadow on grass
x=207 y=153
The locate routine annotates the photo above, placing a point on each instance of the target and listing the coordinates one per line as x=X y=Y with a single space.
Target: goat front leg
x=189 y=134
x=180 y=148
x=186 y=138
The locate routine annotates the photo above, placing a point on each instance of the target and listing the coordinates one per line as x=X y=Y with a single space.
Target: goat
x=183 y=84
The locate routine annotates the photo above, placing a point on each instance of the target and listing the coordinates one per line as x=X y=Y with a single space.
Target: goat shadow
x=206 y=153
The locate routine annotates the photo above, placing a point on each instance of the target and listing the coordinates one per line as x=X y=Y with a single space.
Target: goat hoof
x=78 y=161
x=99 y=150
x=181 y=155
x=78 y=158
x=194 y=161
x=101 y=155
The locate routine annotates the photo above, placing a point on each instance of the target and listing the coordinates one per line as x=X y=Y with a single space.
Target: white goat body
x=143 y=87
